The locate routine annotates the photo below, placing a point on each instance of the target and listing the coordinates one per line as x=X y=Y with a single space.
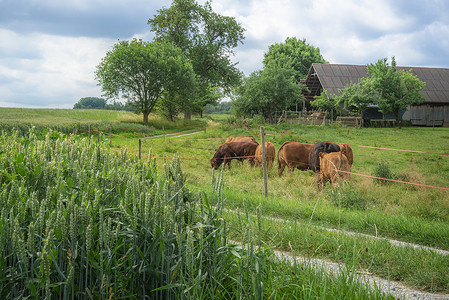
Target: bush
x=383 y=170
x=346 y=196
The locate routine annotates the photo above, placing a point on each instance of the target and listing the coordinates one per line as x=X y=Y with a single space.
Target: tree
x=143 y=72
x=301 y=55
x=358 y=96
x=327 y=103
x=264 y=92
x=207 y=39
x=90 y=103
x=395 y=90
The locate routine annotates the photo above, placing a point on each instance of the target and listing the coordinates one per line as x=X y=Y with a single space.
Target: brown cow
x=330 y=165
x=347 y=151
x=294 y=155
x=241 y=139
x=234 y=150
x=270 y=152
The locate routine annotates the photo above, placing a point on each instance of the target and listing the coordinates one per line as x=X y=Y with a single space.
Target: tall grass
x=79 y=222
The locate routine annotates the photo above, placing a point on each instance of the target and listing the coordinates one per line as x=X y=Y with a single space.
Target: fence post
x=264 y=160
x=140 y=149
x=90 y=129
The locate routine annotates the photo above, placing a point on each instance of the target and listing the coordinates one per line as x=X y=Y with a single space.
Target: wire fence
x=108 y=132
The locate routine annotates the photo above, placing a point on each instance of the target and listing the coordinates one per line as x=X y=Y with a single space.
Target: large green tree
x=395 y=90
x=358 y=96
x=208 y=40
x=300 y=53
x=272 y=89
x=143 y=72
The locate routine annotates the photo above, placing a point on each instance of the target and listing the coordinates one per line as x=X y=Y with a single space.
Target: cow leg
x=227 y=162
x=281 y=166
x=319 y=180
x=334 y=179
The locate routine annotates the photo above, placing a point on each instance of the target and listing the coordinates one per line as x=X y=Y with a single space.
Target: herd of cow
x=330 y=161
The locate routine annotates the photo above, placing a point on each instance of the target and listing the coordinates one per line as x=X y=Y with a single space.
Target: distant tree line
x=100 y=103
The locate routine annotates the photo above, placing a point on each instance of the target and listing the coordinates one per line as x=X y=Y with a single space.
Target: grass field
x=389 y=210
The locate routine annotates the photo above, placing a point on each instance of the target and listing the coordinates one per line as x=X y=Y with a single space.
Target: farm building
x=434 y=111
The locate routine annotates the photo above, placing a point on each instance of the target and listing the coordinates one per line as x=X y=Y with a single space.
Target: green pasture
x=391 y=210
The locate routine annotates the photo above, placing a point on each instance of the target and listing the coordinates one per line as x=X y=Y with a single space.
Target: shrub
x=346 y=196
x=383 y=170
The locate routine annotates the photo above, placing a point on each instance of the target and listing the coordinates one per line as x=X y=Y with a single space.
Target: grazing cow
x=314 y=158
x=293 y=155
x=330 y=165
x=270 y=152
x=347 y=151
x=241 y=139
x=234 y=150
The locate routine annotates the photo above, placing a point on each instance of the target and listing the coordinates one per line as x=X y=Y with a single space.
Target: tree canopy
x=299 y=52
x=143 y=72
x=208 y=40
x=272 y=89
x=395 y=90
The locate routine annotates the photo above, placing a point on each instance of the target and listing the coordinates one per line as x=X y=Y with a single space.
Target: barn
x=434 y=111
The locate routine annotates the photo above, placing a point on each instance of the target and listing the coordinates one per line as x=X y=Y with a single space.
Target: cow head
x=215 y=163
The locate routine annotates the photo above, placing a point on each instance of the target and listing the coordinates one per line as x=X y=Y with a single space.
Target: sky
x=49 y=49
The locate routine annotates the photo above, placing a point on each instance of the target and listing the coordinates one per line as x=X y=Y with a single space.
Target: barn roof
x=331 y=77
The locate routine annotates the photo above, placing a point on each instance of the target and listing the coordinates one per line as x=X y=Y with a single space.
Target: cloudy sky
x=49 y=49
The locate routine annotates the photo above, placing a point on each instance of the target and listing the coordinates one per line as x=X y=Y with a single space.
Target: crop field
x=215 y=219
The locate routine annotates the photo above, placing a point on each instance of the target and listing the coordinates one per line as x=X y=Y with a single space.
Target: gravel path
x=388 y=287
x=393 y=242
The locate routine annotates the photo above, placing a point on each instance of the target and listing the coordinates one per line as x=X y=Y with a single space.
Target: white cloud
x=61 y=73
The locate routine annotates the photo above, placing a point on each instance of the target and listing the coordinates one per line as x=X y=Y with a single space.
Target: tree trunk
x=361 y=118
x=398 y=121
x=145 y=117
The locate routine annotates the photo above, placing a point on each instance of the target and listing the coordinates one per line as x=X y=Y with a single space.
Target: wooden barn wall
x=428 y=115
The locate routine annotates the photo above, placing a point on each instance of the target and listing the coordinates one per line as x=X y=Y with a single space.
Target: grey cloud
x=112 y=19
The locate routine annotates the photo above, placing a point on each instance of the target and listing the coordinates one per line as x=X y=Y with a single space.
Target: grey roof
x=331 y=77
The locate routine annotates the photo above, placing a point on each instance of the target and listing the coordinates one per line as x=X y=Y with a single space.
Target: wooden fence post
x=264 y=161
x=140 y=149
x=90 y=130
